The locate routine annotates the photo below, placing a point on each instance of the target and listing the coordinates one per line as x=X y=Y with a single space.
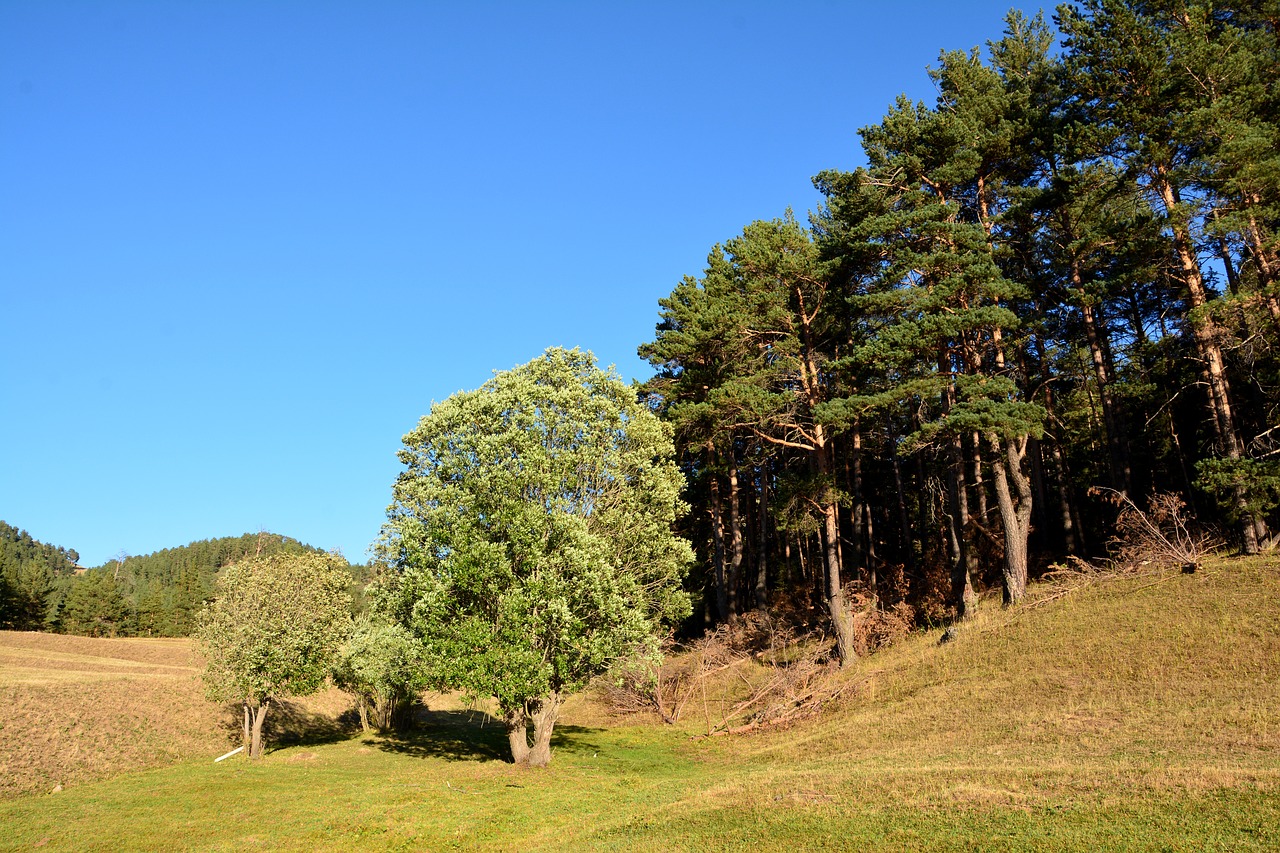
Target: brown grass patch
x=83 y=708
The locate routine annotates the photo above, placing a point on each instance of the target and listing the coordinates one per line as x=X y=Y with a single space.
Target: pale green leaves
x=532 y=530
x=275 y=625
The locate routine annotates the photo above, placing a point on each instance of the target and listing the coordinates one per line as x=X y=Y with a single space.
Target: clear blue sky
x=244 y=245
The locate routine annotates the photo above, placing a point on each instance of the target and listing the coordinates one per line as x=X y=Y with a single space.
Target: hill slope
x=1139 y=713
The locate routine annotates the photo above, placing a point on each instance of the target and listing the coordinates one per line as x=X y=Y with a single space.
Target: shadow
x=471 y=736
x=573 y=740
x=289 y=724
x=451 y=735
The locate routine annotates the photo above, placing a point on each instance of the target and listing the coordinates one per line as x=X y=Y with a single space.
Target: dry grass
x=1127 y=712
x=82 y=708
x=1176 y=674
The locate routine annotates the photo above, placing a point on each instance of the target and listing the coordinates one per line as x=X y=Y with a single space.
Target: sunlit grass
x=1134 y=714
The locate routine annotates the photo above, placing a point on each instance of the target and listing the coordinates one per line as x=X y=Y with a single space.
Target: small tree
x=381 y=665
x=273 y=631
x=531 y=531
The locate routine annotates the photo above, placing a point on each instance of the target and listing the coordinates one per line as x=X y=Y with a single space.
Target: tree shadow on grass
x=289 y=724
x=470 y=736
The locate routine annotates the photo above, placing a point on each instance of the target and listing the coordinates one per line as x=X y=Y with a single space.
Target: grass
x=81 y=708
x=1133 y=714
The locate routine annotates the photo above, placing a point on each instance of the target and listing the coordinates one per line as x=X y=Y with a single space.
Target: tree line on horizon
x=1051 y=291
x=42 y=587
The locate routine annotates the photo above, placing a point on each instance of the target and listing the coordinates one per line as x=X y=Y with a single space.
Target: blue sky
x=244 y=246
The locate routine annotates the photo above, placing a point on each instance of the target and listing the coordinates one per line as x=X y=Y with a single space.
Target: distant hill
x=29 y=571
x=155 y=595
x=162 y=591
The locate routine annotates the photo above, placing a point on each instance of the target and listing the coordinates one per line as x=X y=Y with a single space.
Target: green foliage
x=275 y=626
x=381 y=665
x=30 y=572
x=531 y=531
x=1260 y=479
x=167 y=588
x=94 y=607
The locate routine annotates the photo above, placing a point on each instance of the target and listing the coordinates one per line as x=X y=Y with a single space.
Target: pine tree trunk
x=841 y=619
x=963 y=561
x=718 y=551
x=735 y=539
x=1015 y=514
x=979 y=490
x=1070 y=537
x=872 y=581
x=1267 y=265
x=856 y=515
x=1121 y=474
x=963 y=596
x=904 y=518
x=762 y=575
x=1204 y=332
x=1035 y=462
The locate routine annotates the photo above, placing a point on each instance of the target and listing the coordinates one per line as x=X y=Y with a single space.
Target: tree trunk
x=734 y=573
x=904 y=519
x=717 y=539
x=964 y=561
x=1266 y=268
x=1015 y=515
x=1070 y=537
x=517 y=734
x=872 y=581
x=979 y=489
x=1121 y=475
x=259 y=716
x=841 y=620
x=762 y=576
x=1204 y=332
x=1035 y=462
x=246 y=741
x=387 y=710
x=853 y=471
x=544 y=718
x=963 y=596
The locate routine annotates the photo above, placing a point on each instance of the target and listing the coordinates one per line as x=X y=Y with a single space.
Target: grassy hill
x=1132 y=714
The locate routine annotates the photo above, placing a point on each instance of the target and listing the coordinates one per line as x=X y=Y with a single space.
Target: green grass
x=1134 y=714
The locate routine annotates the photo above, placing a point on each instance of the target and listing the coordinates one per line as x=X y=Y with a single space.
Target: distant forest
x=157 y=595
x=1053 y=294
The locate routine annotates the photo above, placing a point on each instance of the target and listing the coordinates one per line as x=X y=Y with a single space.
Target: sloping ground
x=1150 y=700
x=1132 y=714
x=81 y=708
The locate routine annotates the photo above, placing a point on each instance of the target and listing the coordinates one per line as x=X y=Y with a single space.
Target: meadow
x=1132 y=713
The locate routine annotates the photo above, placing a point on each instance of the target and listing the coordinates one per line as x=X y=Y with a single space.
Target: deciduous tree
x=272 y=631
x=531 y=538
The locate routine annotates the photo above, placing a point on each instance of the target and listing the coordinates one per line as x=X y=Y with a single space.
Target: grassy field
x=1131 y=714
x=82 y=708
